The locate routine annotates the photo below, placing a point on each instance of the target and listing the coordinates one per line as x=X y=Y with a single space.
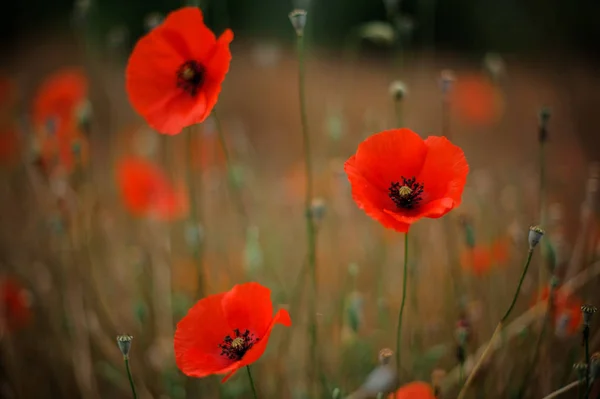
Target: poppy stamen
x=190 y=77
x=236 y=348
x=407 y=194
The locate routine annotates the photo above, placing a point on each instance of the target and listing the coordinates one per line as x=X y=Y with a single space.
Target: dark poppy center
x=407 y=193
x=234 y=348
x=190 y=77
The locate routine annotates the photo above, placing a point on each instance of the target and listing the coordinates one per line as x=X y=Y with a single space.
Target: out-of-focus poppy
x=15 y=310
x=58 y=100
x=398 y=178
x=225 y=332
x=476 y=100
x=147 y=192
x=481 y=258
x=414 y=390
x=566 y=308
x=175 y=72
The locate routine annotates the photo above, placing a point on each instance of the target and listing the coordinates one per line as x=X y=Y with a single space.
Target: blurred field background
x=89 y=270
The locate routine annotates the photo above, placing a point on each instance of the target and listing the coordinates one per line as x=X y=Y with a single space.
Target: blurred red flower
x=414 y=390
x=481 y=258
x=15 y=311
x=58 y=99
x=566 y=308
x=147 y=192
x=225 y=332
x=174 y=73
x=476 y=100
x=398 y=178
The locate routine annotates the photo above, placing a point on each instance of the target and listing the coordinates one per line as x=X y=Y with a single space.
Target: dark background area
x=530 y=27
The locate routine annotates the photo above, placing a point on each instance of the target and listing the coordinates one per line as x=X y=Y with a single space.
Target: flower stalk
x=463 y=391
x=401 y=313
x=252 y=382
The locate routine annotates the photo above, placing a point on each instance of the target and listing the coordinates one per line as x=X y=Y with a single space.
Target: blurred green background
x=472 y=26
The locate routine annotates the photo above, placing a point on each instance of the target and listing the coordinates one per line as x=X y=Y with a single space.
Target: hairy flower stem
x=488 y=348
x=231 y=179
x=133 y=391
x=252 y=382
x=310 y=225
x=401 y=313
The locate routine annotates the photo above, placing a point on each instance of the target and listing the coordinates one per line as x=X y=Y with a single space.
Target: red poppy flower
x=414 y=390
x=476 y=100
x=15 y=311
x=59 y=98
x=147 y=191
x=225 y=332
x=175 y=72
x=398 y=178
x=477 y=260
x=566 y=310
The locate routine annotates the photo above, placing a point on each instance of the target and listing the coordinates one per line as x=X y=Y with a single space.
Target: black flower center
x=407 y=194
x=190 y=77
x=235 y=348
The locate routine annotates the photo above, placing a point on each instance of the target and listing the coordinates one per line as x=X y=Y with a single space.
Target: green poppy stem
x=401 y=313
x=133 y=391
x=488 y=348
x=310 y=225
x=252 y=382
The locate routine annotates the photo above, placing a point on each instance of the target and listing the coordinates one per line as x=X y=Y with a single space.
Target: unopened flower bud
x=544 y=117
x=298 y=20
x=535 y=235
x=447 y=78
x=318 y=209
x=385 y=355
x=398 y=90
x=588 y=311
x=581 y=369
x=124 y=343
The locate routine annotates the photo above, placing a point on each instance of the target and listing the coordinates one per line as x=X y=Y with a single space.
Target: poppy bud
x=398 y=90
x=124 y=343
x=317 y=209
x=544 y=116
x=581 y=369
x=588 y=311
x=447 y=78
x=535 y=235
x=298 y=20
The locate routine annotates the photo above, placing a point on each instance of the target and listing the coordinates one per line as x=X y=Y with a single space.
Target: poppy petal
x=186 y=32
x=388 y=156
x=198 y=336
x=372 y=200
x=414 y=390
x=248 y=307
x=433 y=209
x=444 y=172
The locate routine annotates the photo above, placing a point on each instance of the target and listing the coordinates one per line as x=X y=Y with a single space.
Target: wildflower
x=535 y=235
x=398 y=178
x=146 y=191
x=225 y=332
x=175 y=71
x=15 y=306
x=398 y=90
x=566 y=309
x=476 y=101
x=124 y=343
x=414 y=390
x=587 y=312
x=298 y=20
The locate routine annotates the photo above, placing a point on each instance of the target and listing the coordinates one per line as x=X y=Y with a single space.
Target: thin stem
x=398 y=110
x=230 y=170
x=586 y=338
x=461 y=372
x=252 y=382
x=133 y=391
x=562 y=390
x=194 y=213
x=310 y=226
x=490 y=344
x=404 y=279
